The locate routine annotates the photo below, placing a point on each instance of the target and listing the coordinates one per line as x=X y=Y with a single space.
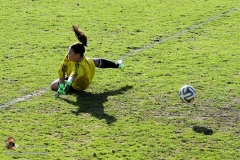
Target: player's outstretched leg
x=104 y=63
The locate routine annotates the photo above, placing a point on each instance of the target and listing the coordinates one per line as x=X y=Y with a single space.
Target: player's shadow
x=93 y=103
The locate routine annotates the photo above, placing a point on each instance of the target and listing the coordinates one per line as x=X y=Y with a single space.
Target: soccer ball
x=187 y=94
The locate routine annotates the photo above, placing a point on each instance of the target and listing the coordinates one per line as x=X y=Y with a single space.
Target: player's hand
x=61 y=89
x=67 y=86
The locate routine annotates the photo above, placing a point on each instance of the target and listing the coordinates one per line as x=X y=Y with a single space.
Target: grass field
x=134 y=114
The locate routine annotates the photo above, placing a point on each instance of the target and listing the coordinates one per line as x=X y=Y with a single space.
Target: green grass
x=130 y=114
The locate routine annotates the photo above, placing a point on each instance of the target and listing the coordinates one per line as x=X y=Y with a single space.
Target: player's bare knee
x=54 y=86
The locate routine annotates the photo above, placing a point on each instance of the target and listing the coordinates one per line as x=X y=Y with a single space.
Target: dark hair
x=79 y=47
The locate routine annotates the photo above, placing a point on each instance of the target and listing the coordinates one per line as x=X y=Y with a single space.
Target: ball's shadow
x=203 y=130
x=93 y=103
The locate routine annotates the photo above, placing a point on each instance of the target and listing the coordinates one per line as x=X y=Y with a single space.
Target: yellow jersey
x=83 y=72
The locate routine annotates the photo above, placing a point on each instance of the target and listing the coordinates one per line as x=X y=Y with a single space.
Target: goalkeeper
x=76 y=70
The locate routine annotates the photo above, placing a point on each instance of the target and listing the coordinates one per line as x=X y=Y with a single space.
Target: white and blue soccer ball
x=187 y=94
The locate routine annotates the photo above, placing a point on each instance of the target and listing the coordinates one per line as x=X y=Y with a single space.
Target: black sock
x=107 y=64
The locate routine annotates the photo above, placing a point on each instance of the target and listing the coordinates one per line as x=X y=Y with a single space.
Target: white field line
x=180 y=33
x=38 y=92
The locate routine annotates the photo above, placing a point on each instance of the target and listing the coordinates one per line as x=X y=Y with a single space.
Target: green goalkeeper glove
x=60 y=90
x=67 y=85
